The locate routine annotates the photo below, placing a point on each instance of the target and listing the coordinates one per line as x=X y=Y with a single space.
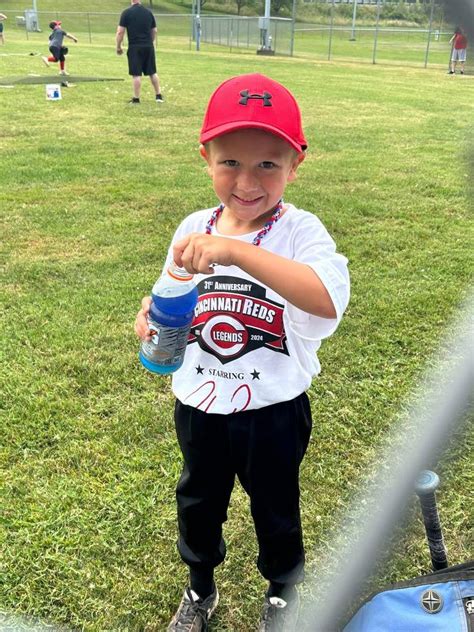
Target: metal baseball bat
x=426 y=486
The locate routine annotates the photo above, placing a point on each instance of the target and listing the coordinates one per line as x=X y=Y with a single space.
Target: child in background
x=2 y=18
x=458 y=53
x=56 y=48
x=271 y=287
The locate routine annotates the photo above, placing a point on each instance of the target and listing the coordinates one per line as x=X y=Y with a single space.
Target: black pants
x=58 y=53
x=264 y=448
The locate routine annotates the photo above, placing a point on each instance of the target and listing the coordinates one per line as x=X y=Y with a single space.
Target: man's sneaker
x=450 y=72
x=193 y=613
x=134 y=100
x=64 y=73
x=462 y=72
x=279 y=615
x=159 y=98
x=45 y=61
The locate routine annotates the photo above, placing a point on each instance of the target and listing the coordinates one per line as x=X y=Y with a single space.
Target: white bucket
x=53 y=91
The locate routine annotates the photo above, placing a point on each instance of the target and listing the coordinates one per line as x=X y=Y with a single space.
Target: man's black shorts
x=141 y=60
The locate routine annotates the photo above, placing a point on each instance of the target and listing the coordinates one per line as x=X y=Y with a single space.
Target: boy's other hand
x=199 y=253
x=141 y=322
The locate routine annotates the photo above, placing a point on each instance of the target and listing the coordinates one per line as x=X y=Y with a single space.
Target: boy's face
x=250 y=169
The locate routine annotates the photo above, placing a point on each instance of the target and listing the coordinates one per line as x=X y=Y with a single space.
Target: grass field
x=91 y=190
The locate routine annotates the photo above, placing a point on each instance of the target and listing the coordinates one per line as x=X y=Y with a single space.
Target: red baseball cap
x=253 y=101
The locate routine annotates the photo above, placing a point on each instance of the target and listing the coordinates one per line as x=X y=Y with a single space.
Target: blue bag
x=442 y=601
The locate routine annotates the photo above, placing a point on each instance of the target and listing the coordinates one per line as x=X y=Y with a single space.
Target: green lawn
x=91 y=190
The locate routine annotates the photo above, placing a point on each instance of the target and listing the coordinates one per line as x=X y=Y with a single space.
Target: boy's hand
x=198 y=252
x=141 y=322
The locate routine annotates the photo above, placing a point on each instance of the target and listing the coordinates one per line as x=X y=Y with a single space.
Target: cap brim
x=220 y=130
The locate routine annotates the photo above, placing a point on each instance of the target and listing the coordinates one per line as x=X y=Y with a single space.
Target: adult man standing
x=141 y=33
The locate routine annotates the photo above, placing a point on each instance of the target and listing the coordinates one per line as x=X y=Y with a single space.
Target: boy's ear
x=205 y=154
x=296 y=163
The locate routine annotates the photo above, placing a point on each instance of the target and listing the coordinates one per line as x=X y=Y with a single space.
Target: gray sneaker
x=279 y=615
x=193 y=613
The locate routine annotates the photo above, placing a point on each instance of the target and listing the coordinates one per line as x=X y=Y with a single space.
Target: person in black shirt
x=140 y=25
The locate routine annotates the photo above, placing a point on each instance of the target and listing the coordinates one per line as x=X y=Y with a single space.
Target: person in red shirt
x=458 y=53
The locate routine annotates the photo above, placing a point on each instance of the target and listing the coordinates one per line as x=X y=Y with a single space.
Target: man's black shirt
x=139 y=22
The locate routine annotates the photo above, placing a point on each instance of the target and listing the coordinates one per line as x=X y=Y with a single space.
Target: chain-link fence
x=379 y=32
x=246 y=32
x=91 y=24
x=323 y=30
x=228 y=31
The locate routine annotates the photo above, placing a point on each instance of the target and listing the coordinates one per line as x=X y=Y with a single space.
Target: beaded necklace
x=261 y=233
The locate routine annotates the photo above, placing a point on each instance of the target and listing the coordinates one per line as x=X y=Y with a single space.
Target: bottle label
x=167 y=345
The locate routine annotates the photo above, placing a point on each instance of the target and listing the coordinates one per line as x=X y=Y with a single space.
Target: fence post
x=198 y=31
x=354 y=13
x=293 y=22
x=376 y=35
x=330 y=30
x=429 y=34
x=191 y=28
x=89 y=25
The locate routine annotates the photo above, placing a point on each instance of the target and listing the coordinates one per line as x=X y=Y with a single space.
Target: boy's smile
x=249 y=169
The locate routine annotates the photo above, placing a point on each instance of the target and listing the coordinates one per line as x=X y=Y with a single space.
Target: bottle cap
x=179 y=274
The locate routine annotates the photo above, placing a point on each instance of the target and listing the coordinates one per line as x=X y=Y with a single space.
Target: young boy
x=56 y=48
x=271 y=287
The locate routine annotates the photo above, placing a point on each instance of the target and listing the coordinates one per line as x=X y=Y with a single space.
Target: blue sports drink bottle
x=174 y=297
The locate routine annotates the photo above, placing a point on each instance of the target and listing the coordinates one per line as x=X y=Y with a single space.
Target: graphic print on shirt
x=234 y=316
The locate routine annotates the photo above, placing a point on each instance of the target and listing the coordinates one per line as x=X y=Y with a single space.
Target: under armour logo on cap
x=245 y=94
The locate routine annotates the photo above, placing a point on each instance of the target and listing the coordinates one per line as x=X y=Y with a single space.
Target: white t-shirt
x=248 y=346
